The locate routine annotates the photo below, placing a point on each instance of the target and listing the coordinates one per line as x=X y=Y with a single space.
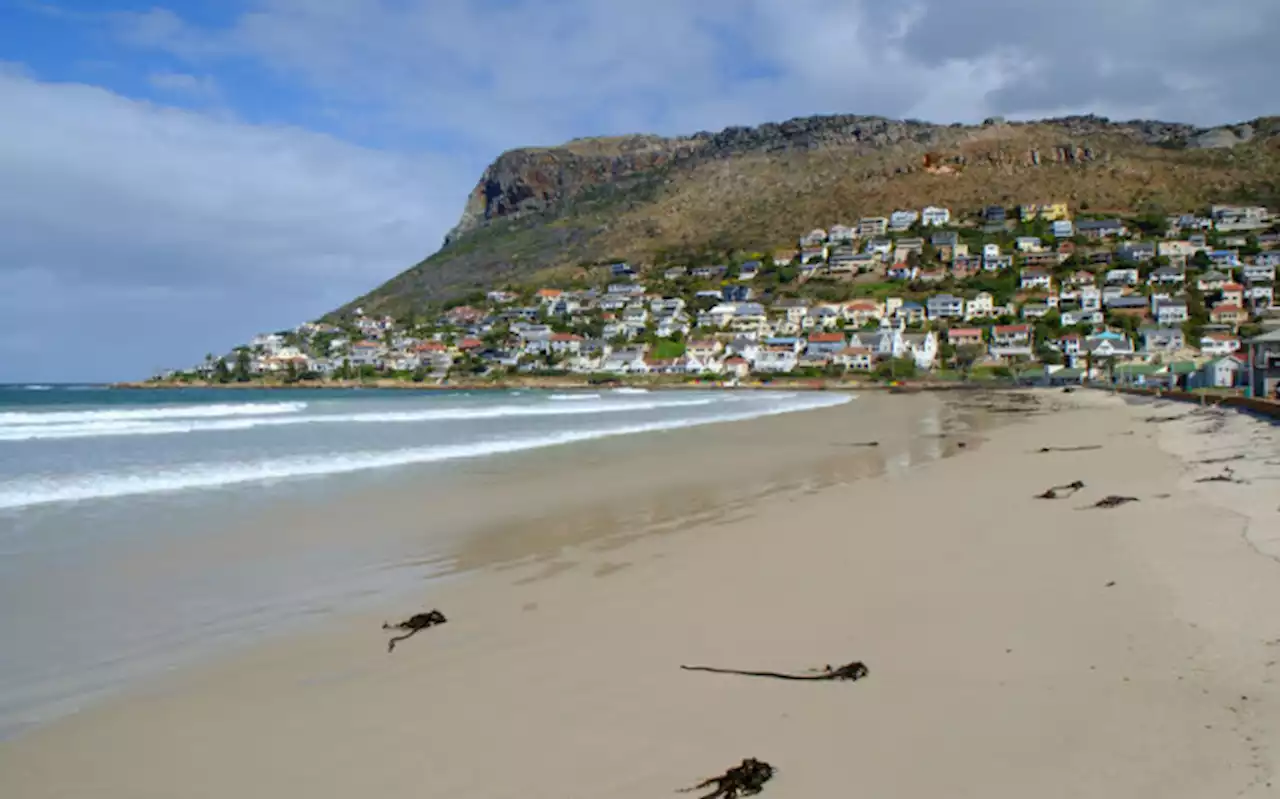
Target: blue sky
x=175 y=176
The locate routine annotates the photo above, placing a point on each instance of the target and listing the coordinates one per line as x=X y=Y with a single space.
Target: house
x=825 y=344
x=902 y=220
x=1212 y=281
x=733 y=293
x=1128 y=305
x=1232 y=293
x=1219 y=344
x=873 y=226
x=1063 y=229
x=1271 y=259
x=1047 y=259
x=944 y=306
x=982 y=306
x=932 y=275
x=964 y=336
x=862 y=312
x=782 y=257
x=879 y=246
x=1224 y=258
x=749 y=270
x=1069 y=345
x=1260 y=296
x=1101 y=228
x=1124 y=276
x=625 y=361
x=1238 y=217
x=1258 y=272
x=1225 y=313
x=1009 y=341
x=922 y=348
x=944 y=238
x=965 y=266
x=776 y=359
x=1226 y=372
x=1108 y=344
x=1034 y=310
x=1082 y=316
x=823 y=317
x=1028 y=244
x=737 y=366
x=911 y=312
x=1264 y=364
x=841 y=234
x=1166 y=276
x=1162 y=339
x=621 y=269
x=1137 y=251
x=677 y=272
x=998 y=264
x=934 y=216
x=990 y=251
x=994 y=214
x=903 y=247
x=1170 y=312
x=814 y=238
x=902 y=272
x=1034 y=278
x=1046 y=211
x=1082 y=277
x=857 y=358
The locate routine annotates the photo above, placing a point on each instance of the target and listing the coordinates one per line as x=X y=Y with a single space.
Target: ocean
x=143 y=529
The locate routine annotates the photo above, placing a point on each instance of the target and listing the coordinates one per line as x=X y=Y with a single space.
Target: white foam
x=161 y=412
x=573 y=397
x=127 y=427
x=627 y=390
x=38 y=388
x=28 y=492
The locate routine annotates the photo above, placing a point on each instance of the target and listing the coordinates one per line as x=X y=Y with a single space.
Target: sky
x=178 y=175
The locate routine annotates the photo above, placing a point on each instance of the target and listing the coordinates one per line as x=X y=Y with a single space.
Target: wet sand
x=1016 y=646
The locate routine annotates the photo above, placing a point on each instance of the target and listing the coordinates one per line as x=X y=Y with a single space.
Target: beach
x=1016 y=646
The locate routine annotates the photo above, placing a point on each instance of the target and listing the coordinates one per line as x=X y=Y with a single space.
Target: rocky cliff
x=644 y=197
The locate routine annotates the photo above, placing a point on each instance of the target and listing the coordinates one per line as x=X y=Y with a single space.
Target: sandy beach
x=1016 y=646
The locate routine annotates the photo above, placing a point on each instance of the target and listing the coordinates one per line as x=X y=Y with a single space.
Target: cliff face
x=648 y=196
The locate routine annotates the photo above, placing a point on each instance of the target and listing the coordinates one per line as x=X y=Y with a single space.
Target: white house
x=922 y=347
x=1028 y=244
x=1010 y=340
x=1219 y=344
x=901 y=220
x=1225 y=372
x=776 y=358
x=933 y=216
x=1170 y=312
x=982 y=306
x=1124 y=276
x=1034 y=278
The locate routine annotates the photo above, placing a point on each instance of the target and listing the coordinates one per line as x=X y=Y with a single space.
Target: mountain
x=539 y=213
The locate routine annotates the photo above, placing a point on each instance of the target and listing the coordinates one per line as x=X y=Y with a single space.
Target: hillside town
x=1034 y=291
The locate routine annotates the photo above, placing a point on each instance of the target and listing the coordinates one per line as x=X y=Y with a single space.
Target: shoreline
x=786 y=384
x=1103 y=652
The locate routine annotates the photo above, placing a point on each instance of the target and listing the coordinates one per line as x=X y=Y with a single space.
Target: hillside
x=547 y=211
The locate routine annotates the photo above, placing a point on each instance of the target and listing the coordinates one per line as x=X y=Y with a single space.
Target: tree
x=221 y=374
x=966 y=356
x=242 y=366
x=291 y=372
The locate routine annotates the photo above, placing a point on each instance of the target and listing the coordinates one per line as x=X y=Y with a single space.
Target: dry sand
x=1017 y=647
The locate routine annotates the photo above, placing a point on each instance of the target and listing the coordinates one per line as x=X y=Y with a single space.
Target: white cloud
x=134 y=235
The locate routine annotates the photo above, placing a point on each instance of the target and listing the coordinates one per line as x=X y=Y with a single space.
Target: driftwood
x=859 y=443
x=1162 y=419
x=1062 y=491
x=414 y=625
x=1113 y=501
x=1228 y=476
x=1222 y=460
x=1082 y=448
x=850 y=671
x=745 y=779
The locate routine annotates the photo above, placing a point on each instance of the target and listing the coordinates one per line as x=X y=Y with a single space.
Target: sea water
x=142 y=528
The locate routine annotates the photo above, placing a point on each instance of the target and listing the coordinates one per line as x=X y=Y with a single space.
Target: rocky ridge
x=646 y=196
